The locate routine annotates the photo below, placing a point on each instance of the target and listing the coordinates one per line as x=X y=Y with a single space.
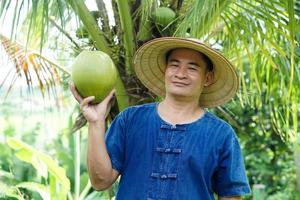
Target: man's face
x=185 y=74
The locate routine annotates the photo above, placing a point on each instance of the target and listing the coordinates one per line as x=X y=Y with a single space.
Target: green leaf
x=30 y=157
x=36 y=187
x=84 y=178
x=9 y=191
x=42 y=162
x=6 y=174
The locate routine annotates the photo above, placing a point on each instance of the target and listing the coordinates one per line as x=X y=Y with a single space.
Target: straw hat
x=150 y=63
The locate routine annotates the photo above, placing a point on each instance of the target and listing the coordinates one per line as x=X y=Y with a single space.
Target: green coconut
x=163 y=16
x=94 y=74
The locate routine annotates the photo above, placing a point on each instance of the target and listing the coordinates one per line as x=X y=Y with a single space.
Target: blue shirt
x=160 y=161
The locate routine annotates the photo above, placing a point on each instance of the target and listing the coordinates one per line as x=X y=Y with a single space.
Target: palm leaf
x=201 y=17
x=36 y=69
x=36 y=21
x=265 y=33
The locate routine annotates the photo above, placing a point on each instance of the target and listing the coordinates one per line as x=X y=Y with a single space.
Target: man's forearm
x=98 y=160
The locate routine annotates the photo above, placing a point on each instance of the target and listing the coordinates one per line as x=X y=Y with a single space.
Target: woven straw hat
x=150 y=63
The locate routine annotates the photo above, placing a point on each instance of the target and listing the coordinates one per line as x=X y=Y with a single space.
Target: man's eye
x=193 y=68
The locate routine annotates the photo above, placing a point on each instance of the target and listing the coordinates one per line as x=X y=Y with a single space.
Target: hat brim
x=150 y=63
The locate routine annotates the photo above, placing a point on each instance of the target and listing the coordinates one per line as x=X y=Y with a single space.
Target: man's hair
x=207 y=60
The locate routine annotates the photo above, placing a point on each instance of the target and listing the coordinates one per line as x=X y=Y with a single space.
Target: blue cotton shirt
x=160 y=161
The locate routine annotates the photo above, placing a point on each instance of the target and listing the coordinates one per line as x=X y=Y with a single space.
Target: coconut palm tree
x=260 y=37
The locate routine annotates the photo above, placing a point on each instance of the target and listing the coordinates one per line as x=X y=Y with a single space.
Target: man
x=173 y=149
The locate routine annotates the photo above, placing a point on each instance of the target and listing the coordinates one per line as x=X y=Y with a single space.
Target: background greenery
x=41 y=157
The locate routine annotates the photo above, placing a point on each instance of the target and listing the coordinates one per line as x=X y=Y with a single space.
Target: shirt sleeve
x=230 y=177
x=115 y=142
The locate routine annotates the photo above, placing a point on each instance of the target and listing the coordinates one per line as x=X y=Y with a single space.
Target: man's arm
x=102 y=175
x=100 y=170
x=230 y=198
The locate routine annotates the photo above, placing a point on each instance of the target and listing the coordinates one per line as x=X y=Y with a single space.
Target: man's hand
x=93 y=113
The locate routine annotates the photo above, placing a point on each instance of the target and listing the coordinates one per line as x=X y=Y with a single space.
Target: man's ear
x=209 y=78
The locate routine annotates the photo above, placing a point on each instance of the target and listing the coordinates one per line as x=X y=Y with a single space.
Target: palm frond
x=32 y=19
x=36 y=23
x=36 y=69
x=201 y=17
x=143 y=19
x=262 y=36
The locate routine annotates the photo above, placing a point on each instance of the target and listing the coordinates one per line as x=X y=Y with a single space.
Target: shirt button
x=168 y=150
x=163 y=176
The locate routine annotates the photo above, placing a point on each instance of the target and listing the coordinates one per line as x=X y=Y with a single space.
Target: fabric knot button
x=167 y=150
x=154 y=175
x=159 y=149
x=163 y=176
x=173 y=176
x=176 y=151
x=164 y=126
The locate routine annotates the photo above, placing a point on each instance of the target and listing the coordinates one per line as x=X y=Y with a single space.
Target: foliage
x=29 y=173
x=269 y=160
x=44 y=164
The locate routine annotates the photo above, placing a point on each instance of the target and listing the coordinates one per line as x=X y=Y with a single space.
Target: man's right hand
x=93 y=112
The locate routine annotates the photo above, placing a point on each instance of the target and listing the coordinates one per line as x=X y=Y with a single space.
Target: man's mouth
x=180 y=84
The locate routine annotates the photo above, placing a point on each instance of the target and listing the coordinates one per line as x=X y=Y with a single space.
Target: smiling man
x=186 y=74
x=173 y=149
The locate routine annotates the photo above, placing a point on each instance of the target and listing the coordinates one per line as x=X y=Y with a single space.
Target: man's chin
x=179 y=93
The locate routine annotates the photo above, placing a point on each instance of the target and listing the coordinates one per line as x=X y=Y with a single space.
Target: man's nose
x=181 y=72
